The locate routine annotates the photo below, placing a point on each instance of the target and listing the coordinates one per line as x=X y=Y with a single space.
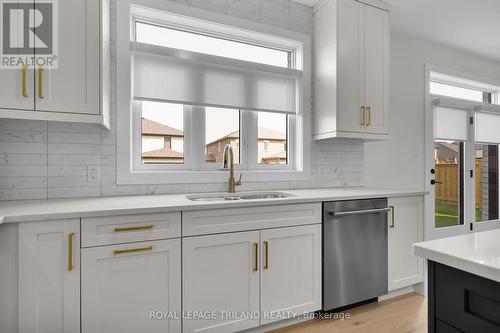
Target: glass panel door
x=486 y=187
x=449 y=184
x=450 y=181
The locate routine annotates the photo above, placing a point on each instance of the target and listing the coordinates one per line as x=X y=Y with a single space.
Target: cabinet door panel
x=49 y=293
x=405 y=269
x=11 y=82
x=11 y=92
x=350 y=65
x=74 y=86
x=120 y=290
x=219 y=275
x=292 y=280
x=376 y=40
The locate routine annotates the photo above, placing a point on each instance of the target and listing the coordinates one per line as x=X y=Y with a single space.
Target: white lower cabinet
x=269 y=273
x=221 y=274
x=405 y=228
x=49 y=277
x=123 y=284
x=290 y=272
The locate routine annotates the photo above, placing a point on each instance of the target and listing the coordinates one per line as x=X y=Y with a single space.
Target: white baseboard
x=416 y=288
x=420 y=289
x=276 y=325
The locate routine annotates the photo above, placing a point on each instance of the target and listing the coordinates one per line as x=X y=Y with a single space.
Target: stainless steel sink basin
x=274 y=195
x=238 y=196
x=212 y=198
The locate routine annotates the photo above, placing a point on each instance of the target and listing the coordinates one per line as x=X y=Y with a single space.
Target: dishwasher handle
x=360 y=212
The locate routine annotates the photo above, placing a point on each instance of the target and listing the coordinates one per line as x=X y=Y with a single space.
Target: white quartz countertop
x=34 y=210
x=477 y=253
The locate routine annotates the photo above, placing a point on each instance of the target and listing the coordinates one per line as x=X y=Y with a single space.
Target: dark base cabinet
x=462 y=302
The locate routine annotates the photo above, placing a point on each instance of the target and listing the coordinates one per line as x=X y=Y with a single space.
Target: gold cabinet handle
x=70 y=251
x=23 y=81
x=137 y=249
x=137 y=228
x=369 y=111
x=392 y=224
x=40 y=82
x=256 y=257
x=266 y=255
x=363 y=116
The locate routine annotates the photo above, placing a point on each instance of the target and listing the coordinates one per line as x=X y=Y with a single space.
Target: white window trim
x=129 y=172
x=448 y=76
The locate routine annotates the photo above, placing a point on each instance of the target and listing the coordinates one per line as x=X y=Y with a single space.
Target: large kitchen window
x=465 y=175
x=206 y=44
x=197 y=86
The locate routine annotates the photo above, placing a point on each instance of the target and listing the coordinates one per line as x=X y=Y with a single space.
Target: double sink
x=240 y=196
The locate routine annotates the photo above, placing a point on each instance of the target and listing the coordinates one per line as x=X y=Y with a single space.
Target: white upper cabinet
x=49 y=277
x=406 y=224
x=16 y=89
x=74 y=86
x=78 y=89
x=351 y=69
x=376 y=69
x=16 y=85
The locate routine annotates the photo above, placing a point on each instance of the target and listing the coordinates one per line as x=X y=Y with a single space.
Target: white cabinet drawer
x=130 y=228
x=212 y=221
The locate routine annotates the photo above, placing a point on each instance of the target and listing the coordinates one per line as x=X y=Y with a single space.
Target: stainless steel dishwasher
x=354 y=251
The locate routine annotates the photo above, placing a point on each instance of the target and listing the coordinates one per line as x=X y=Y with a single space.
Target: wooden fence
x=447 y=183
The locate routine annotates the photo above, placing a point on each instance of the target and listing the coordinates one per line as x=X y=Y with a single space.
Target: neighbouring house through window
x=162 y=133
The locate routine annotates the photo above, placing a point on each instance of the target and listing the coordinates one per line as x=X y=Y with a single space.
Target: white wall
x=40 y=159
x=400 y=162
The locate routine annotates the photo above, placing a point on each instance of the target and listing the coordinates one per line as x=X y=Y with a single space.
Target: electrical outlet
x=93 y=174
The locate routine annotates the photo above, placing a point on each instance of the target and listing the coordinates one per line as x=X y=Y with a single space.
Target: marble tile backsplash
x=44 y=159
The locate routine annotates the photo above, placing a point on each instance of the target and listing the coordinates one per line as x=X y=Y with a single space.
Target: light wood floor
x=404 y=314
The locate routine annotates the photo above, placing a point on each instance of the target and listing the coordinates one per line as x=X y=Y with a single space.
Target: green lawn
x=447 y=215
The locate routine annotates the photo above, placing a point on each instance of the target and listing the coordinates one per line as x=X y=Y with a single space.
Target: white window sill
x=193 y=177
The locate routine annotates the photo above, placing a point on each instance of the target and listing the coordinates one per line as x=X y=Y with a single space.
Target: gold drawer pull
x=40 y=82
x=142 y=227
x=369 y=111
x=137 y=249
x=23 y=83
x=266 y=251
x=363 y=116
x=70 y=251
x=256 y=263
x=392 y=224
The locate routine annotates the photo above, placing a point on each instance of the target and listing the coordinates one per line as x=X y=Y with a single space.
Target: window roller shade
x=487 y=127
x=170 y=75
x=450 y=123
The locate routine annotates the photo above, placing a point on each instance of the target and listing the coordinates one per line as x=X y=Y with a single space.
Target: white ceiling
x=469 y=25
